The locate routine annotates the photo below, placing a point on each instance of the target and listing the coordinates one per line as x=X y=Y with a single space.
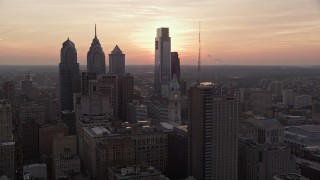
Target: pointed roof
x=116 y=50
x=68 y=42
x=174 y=84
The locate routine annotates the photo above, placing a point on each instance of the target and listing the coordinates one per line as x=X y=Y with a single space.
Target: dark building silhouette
x=96 y=62
x=175 y=65
x=125 y=95
x=69 y=78
x=213 y=132
x=117 y=61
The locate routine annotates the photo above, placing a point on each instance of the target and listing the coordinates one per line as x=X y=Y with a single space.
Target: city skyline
x=233 y=32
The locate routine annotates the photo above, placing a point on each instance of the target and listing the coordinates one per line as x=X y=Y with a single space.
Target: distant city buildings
x=149 y=126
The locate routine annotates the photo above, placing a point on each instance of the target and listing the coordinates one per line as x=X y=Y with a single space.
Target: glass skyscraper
x=162 y=60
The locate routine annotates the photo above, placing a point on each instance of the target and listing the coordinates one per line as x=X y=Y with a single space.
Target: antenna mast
x=199 y=55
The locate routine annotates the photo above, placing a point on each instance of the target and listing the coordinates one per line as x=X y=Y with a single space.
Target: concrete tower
x=117 y=61
x=96 y=62
x=174 y=107
x=69 y=77
x=162 y=69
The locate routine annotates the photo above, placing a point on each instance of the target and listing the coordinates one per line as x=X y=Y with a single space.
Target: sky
x=233 y=32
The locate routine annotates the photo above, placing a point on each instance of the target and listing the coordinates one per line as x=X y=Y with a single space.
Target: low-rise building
x=300 y=137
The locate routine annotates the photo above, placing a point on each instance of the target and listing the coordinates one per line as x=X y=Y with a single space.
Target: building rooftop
x=116 y=50
x=264 y=122
x=289 y=177
x=311 y=164
x=100 y=130
x=310 y=128
x=132 y=172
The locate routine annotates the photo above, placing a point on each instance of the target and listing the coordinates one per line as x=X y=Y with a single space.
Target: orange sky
x=285 y=32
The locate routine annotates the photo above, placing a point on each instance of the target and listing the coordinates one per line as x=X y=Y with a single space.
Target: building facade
x=7 y=151
x=213 y=136
x=65 y=159
x=263 y=161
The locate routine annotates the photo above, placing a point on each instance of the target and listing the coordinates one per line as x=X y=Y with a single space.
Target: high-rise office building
x=69 y=77
x=125 y=95
x=117 y=61
x=175 y=65
x=108 y=86
x=31 y=116
x=8 y=90
x=162 y=69
x=213 y=132
x=96 y=61
x=7 y=165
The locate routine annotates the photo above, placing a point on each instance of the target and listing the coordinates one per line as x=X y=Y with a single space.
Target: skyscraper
x=96 y=62
x=125 y=94
x=213 y=132
x=69 y=78
x=7 y=158
x=117 y=61
x=175 y=65
x=162 y=69
x=8 y=90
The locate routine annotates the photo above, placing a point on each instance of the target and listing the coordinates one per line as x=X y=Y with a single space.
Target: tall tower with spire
x=96 y=62
x=174 y=106
x=69 y=77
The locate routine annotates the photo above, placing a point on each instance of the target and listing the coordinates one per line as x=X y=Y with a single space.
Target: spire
x=95 y=30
